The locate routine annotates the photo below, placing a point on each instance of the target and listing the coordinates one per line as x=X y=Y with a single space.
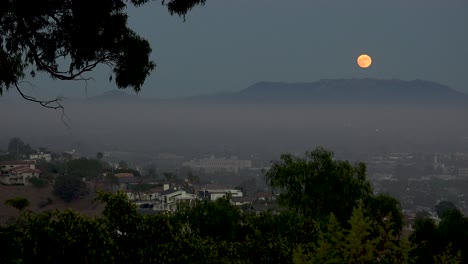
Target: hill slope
x=343 y=91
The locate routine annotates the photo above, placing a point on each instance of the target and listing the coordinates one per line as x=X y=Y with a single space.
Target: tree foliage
x=444 y=206
x=18 y=149
x=19 y=203
x=318 y=185
x=67 y=39
x=218 y=219
x=436 y=243
x=37 y=182
x=69 y=187
x=382 y=208
x=218 y=232
x=356 y=244
x=84 y=168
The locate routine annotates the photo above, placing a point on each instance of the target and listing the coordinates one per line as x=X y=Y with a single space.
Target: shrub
x=37 y=182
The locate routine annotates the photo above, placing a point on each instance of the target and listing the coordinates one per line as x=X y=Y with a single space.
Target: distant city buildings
x=463 y=173
x=41 y=156
x=214 y=165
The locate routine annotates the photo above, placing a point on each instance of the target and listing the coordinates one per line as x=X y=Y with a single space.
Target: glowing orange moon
x=364 y=61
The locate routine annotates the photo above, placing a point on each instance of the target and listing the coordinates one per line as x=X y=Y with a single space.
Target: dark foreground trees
x=317 y=185
x=218 y=232
x=122 y=235
x=448 y=239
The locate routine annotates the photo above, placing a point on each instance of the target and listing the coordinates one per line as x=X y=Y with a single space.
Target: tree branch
x=51 y=104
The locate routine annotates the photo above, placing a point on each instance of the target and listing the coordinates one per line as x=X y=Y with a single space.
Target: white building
x=41 y=156
x=214 y=194
x=217 y=165
x=171 y=199
x=168 y=200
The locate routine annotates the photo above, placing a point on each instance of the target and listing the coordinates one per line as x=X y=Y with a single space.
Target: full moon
x=364 y=61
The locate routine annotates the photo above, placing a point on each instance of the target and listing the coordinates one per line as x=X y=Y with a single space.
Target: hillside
x=36 y=196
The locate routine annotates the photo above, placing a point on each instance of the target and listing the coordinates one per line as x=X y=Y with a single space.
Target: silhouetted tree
x=18 y=149
x=99 y=156
x=67 y=39
x=444 y=206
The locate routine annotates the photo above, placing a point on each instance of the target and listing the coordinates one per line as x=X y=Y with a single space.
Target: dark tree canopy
x=444 y=206
x=318 y=185
x=69 y=38
x=19 y=203
x=69 y=187
x=18 y=148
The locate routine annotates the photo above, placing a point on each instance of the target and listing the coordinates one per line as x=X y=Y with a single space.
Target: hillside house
x=18 y=172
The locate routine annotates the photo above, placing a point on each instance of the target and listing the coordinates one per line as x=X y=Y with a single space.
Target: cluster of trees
x=329 y=216
x=17 y=149
x=448 y=238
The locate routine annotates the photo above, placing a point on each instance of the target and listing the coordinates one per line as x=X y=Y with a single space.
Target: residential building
x=214 y=194
x=18 y=172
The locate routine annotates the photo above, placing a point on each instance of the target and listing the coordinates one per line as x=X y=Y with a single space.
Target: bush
x=19 y=203
x=69 y=187
x=37 y=182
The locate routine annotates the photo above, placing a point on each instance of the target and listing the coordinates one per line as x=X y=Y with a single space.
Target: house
x=21 y=174
x=170 y=200
x=124 y=175
x=214 y=194
x=7 y=165
x=18 y=171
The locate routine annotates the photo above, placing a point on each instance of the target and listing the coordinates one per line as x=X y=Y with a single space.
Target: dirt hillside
x=40 y=196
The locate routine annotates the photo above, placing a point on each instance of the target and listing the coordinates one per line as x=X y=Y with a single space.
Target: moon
x=364 y=61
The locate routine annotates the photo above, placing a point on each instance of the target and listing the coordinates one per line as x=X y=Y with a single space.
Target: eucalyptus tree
x=66 y=39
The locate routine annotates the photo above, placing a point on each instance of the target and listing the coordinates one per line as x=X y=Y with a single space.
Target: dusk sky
x=228 y=45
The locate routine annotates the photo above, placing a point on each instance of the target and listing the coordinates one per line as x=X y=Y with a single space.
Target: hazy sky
x=228 y=45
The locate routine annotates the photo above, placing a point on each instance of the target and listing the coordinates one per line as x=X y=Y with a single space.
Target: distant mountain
x=342 y=91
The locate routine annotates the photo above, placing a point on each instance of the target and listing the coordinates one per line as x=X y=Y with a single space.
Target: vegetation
x=18 y=149
x=84 y=168
x=18 y=203
x=69 y=187
x=219 y=232
x=446 y=239
x=37 y=182
x=47 y=37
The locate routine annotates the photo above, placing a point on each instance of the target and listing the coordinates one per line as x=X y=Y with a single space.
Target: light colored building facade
x=18 y=172
x=218 y=165
x=214 y=194
x=41 y=156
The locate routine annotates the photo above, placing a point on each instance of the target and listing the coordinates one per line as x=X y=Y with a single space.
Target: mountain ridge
x=342 y=91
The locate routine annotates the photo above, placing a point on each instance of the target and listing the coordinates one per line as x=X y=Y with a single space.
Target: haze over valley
x=354 y=116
